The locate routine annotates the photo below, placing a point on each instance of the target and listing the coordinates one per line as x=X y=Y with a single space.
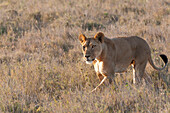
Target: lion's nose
x=87 y=56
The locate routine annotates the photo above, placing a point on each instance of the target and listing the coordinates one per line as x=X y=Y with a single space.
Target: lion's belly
x=123 y=63
x=120 y=68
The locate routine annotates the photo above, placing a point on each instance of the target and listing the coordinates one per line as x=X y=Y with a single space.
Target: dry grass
x=41 y=66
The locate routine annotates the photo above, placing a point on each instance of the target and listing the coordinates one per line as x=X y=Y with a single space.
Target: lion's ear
x=82 y=38
x=99 y=36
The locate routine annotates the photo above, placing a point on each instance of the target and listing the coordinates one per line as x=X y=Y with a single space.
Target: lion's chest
x=98 y=66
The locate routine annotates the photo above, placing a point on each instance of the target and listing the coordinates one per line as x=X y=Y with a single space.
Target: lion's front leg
x=100 y=76
x=100 y=83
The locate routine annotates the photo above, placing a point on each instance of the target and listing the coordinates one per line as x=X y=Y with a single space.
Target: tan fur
x=110 y=56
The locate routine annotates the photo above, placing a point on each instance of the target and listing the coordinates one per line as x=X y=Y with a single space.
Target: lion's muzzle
x=88 y=59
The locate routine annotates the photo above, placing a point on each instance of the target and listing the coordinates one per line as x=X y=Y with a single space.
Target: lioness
x=110 y=56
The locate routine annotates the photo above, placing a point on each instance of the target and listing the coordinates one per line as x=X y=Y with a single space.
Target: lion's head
x=92 y=47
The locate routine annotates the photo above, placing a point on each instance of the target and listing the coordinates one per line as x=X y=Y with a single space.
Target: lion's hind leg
x=134 y=73
x=139 y=71
x=133 y=67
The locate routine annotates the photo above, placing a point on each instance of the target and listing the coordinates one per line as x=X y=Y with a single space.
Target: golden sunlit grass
x=41 y=66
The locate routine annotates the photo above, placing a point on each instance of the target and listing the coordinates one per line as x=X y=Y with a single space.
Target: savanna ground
x=41 y=66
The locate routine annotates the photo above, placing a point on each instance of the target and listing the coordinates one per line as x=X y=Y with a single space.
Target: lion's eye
x=93 y=46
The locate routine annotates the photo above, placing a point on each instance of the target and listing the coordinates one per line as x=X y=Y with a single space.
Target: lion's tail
x=164 y=58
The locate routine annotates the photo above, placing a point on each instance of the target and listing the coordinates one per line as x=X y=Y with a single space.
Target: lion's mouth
x=89 y=61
